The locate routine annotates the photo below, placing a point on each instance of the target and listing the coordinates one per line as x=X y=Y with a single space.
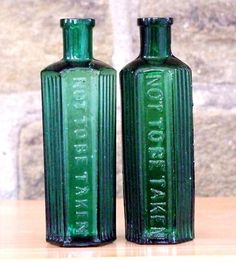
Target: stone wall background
x=203 y=35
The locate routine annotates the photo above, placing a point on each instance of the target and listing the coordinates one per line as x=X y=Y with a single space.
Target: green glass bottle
x=79 y=102
x=157 y=140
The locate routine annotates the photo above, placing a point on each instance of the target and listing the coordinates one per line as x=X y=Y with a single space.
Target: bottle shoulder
x=140 y=65
x=63 y=66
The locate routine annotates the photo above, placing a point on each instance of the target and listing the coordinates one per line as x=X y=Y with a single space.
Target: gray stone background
x=203 y=36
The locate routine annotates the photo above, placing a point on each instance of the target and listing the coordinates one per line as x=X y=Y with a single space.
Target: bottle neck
x=155 y=41
x=77 y=42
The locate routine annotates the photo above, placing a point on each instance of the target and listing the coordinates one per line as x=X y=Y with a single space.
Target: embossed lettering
x=157 y=164
x=80 y=105
x=159 y=123
x=155 y=94
x=158 y=207
x=81 y=121
x=81 y=157
x=83 y=176
x=81 y=213
x=82 y=227
x=157 y=193
x=81 y=190
x=157 y=232
x=79 y=95
x=156 y=154
x=80 y=133
x=81 y=148
x=81 y=203
x=159 y=108
x=154 y=80
x=158 y=219
x=160 y=182
x=156 y=136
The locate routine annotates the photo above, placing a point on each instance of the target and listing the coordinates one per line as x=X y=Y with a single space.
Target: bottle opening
x=146 y=21
x=77 y=21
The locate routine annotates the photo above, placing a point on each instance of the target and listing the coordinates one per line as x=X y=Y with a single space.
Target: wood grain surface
x=22 y=236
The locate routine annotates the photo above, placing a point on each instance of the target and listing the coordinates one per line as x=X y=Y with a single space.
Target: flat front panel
x=155 y=152
x=80 y=114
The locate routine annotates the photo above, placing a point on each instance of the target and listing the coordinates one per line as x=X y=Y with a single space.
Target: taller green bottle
x=157 y=140
x=79 y=102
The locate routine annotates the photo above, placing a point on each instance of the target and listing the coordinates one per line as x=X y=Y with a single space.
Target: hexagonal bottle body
x=158 y=145
x=79 y=151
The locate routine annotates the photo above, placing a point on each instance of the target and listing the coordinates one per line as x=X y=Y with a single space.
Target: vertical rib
x=52 y=128
x=106 y=156
x=184 y=149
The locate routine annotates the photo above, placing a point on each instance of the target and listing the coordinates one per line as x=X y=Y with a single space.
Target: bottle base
x=158 y=241
x=69 y=242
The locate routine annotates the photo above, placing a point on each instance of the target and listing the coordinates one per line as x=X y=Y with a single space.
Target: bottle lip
x=146 y=21
x=77 y=21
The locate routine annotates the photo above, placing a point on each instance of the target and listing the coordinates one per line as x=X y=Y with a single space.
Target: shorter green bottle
x=79 y=117
x=157 y=140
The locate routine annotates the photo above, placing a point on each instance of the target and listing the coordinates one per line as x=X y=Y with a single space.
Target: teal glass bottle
x=79 y=102
x=158 y=152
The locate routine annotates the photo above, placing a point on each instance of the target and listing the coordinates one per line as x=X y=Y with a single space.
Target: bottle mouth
x=77 y=21
x=146 y=21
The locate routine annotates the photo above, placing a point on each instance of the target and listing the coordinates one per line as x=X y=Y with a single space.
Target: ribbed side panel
x=132 y=174
x=107 y=156
x=53 y=156
x=183 y=140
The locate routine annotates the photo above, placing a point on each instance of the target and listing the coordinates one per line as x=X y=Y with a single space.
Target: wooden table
x=22 y=233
